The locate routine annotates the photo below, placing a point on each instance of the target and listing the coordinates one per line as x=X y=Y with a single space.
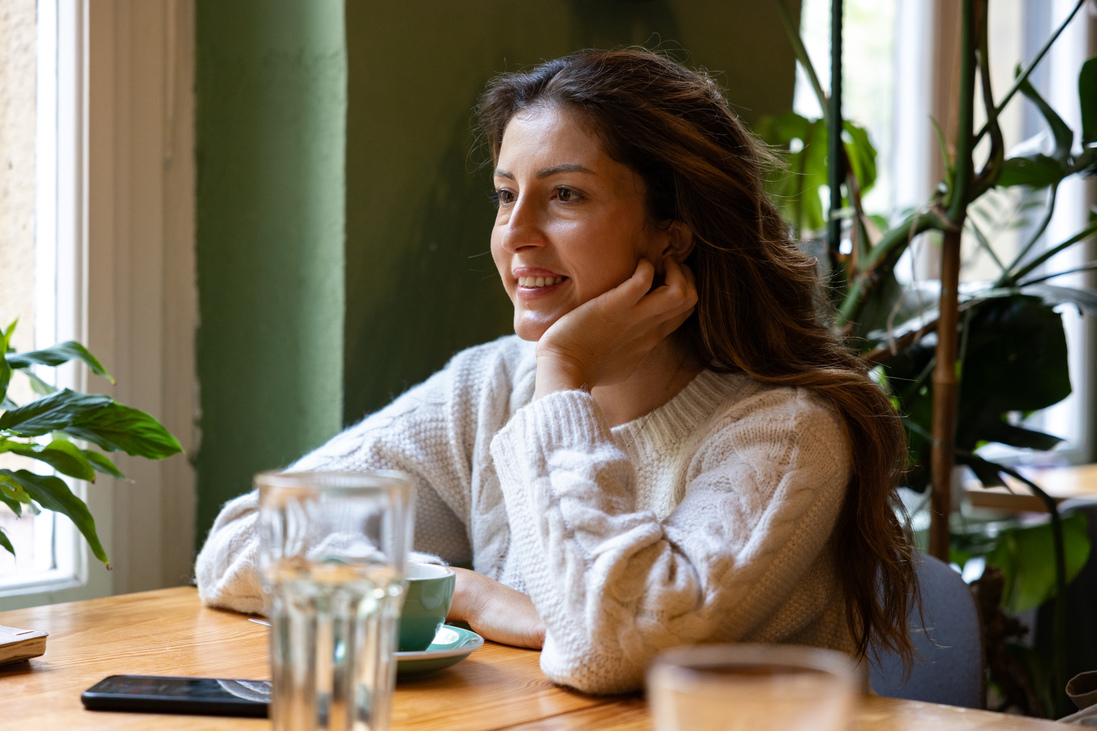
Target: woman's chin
x=531 y=330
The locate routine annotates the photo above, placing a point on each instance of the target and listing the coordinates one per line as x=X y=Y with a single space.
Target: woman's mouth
x=539 y=281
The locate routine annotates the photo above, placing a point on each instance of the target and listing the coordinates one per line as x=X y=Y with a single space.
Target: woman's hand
x=495 y=611
x=603 y=341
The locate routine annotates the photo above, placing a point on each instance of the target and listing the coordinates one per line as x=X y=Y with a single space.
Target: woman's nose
x=524 y=226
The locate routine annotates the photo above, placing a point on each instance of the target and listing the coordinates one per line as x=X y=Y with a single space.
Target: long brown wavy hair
x=759 y=307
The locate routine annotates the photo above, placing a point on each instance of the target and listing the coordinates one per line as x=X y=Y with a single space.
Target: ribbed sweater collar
x=677 y=419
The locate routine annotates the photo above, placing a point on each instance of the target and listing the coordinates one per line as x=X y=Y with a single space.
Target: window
x=900 y=59
x=42 y=143
x=113 y=257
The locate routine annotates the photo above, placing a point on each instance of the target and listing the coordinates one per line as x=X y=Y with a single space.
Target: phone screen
x=167 y=694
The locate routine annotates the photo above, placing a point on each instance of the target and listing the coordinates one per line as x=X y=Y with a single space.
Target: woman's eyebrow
x=567 y=167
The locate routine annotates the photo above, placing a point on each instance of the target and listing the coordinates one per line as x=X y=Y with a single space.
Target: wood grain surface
x=168 y=632
x=1061 y=483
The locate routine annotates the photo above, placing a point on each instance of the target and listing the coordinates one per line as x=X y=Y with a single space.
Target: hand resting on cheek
x=604 y=340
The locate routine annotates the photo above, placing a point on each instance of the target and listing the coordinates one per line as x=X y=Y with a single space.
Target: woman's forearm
x=496 y=611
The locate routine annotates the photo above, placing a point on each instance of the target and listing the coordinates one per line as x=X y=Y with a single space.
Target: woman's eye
x=502 y=196
x=567 y=195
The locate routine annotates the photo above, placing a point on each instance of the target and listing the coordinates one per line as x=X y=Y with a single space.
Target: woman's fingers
x=605 y=339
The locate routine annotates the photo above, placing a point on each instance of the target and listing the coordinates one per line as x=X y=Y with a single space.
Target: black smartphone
x=167 y=694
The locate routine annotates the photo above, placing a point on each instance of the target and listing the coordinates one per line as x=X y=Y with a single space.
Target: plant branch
x=984 y=244
x=1019 y=82
x=1085 y=233
x=1006 y=277
x=991 y=171
x=883 y=255
x=1091 y=266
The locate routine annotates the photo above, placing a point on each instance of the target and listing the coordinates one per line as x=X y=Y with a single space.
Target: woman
x=673 y=449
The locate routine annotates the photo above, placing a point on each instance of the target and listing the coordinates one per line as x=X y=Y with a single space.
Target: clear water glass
x=333 y=556
x=751 y=688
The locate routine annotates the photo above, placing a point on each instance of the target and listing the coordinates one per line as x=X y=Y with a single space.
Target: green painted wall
x=420 y=281
x=342 y=213
x=270 y=135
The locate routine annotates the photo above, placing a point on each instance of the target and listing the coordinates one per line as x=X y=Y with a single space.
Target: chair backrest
x=949 y=667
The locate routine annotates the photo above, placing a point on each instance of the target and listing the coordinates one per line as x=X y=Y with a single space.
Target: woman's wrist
x=558 y=374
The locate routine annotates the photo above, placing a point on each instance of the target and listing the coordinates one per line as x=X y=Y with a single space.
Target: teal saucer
x=451 y=645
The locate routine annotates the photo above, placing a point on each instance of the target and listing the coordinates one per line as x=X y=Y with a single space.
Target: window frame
x=117 y=240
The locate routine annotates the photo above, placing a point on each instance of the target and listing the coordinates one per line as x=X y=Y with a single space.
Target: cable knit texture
x=707 y=520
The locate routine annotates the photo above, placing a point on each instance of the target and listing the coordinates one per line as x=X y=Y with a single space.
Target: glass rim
x=333 y=480
x=690 y=663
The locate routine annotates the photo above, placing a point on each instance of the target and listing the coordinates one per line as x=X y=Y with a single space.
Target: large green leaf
x=861 y=153
x=1087 y=95
x=1026 y=556
x=1016 y=360
x=5 y=369
x=62 y=455
x=58 y=354
x=796 y=189
x=13 y=495
x=53 y=494
x=53 y=413
x=1037 y=171
x=121 y=428
x=1016 y=436
x=798 y=193
x=1086 y=299
x=6 y=543
x=101 y=464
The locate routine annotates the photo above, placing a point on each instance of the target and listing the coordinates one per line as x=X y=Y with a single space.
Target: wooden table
x=1061 y=483
x=167 y=632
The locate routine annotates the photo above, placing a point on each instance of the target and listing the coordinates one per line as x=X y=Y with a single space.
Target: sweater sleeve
x=615 y=585
x=430 y=432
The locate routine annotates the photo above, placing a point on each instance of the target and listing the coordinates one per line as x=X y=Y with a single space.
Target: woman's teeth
x=539 y=281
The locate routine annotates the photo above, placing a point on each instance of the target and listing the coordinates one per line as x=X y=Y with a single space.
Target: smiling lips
x=539 y=281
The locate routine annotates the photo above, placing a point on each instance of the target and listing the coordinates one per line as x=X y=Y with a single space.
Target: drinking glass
x=751 y=687
x=333 y=553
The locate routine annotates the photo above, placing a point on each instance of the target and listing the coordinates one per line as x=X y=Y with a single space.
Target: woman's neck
x=666 y=371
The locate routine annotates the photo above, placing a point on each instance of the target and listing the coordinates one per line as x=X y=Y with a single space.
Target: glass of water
x=751 y=688
x=333 y=552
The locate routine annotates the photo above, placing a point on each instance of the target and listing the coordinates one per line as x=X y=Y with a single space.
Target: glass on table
x=333 y=555
x=755 y=687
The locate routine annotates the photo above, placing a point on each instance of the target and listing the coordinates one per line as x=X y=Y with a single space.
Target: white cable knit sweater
x=707 y=520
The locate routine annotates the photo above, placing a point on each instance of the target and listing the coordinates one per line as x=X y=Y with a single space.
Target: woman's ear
x=679 y=241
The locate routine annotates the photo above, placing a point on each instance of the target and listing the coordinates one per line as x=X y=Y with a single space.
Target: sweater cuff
x=563 y=417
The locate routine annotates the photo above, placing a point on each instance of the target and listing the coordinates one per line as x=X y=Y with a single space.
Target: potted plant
x=57 y=428
x=1004 y=331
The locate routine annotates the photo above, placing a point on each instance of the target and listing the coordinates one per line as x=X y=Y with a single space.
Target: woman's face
x=571 y=223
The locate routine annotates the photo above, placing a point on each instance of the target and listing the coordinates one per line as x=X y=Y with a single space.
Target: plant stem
x=1006 y=279
x=944 y=375
x=1084 y=268
x=883 y=255
x=836 y=160
x=1085 y=233
x=993 y=115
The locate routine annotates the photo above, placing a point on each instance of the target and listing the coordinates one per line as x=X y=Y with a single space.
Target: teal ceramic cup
x=426 y=603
